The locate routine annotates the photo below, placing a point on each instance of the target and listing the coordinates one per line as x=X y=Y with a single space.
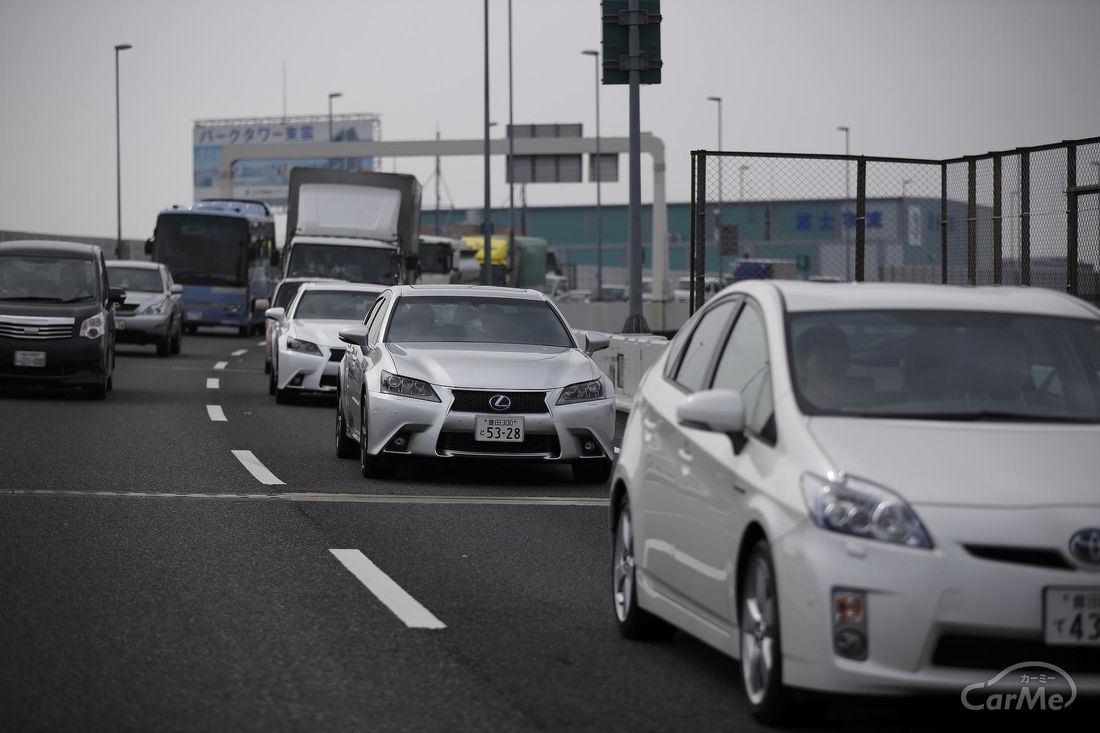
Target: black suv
x=57 y=319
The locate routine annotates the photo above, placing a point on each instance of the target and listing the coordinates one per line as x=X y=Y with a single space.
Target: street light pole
x=331 y=96
x=599 y=178
x=847 y=197
x=486 y=225
x=118 y=155
x=718 y=211
x=512 y=269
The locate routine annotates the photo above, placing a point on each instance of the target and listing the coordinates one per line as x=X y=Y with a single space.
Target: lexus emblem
x=500 y=402
x=1085 y=546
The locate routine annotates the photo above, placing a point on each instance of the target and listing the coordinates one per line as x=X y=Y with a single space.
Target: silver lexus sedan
x=454 y=370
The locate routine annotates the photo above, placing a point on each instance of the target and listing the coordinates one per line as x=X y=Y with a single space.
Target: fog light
x=399 y=442
x=848 y=608
x=297 y=381
x=589 y=446
x=850 y=643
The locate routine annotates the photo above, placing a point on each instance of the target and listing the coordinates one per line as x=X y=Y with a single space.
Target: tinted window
x=135 y=278
x=334 y=305
x=204 y=250
x=49 y=279
x=469 y=319
x=744 y=367
x=355 y=264
x=702 y=345
x=285 y=294
x=374 y=328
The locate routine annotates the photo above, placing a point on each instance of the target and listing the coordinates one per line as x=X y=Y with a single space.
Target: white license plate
x=30 y=358
x=193 y=316
x=499 y=429
x=1071 y=616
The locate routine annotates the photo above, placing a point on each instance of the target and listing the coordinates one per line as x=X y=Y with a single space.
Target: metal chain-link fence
x=1027 y=216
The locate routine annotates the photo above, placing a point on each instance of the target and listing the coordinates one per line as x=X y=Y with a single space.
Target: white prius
x=454 y=371
x=870 y=488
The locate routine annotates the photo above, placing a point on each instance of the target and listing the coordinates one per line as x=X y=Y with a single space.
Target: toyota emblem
x=1085 y=546
x=500 y=402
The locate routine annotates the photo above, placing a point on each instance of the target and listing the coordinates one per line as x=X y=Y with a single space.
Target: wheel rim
x=758 y=630
x=623 y=567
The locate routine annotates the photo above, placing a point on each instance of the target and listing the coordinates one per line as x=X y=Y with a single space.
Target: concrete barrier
x=626 y=361
x=610 y=317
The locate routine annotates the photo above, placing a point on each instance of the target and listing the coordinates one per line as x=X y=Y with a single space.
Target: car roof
x=57 y=248
x=139 y=264
x=477 y=291
x=800 y=296
x=341 y=286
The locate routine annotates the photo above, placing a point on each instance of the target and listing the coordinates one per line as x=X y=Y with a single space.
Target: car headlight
x=854 y=507
x=582 y=392
x=94 y=326
x=157 y=308
x=408 y=387
x=302 y=346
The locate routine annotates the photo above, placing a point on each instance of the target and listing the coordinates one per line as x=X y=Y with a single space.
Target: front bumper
x=937 y=620
x=309 y=372
x=73 y=361
x=142 y=329
x=434 y=429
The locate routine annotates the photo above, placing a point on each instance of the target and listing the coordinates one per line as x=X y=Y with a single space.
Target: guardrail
x=626 y=361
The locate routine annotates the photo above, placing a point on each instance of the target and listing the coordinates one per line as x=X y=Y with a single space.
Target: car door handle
x=685 y=455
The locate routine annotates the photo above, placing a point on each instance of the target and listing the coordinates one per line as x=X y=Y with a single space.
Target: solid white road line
x=221 y=364
x=257 y=469
x=484 y=500
x=239 y=352
x=404 y=606
x=213 y=383
x=215 y=412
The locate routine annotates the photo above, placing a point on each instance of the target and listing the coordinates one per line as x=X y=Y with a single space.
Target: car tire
x=164 y=346
x=177 y=339
x=345 y=446
x=272 y=381
x=633 y=621
x=592 y=471
x=267 y=367
x=761 y=651
x=370 y=466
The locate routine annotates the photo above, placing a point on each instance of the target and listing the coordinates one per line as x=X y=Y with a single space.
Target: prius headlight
x=408 y=387
x=854 y=507
x=582 y=392
x=302 y=346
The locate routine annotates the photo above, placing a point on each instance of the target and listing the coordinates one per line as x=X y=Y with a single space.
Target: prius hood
x=492 y=366
x=968 y=463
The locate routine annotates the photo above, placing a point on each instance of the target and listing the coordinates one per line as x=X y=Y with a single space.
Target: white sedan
x=307 y=345
x=872 y=489
x=452 y=371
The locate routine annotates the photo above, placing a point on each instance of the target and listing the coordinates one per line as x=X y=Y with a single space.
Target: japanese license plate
x=499 y=429
x=1071 y=616
x=30 y=358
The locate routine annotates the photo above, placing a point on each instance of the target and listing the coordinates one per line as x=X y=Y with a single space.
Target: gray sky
x=927 y=78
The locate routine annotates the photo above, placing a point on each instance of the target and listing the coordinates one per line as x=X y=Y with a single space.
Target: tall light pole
x=718 y=211
x=512 y=271
x=599 y=177
x=331 y=96
x=486 y=225
x=118 y=155
x=847 y=196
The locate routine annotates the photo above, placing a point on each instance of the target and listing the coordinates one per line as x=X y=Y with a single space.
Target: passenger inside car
x=824 y=358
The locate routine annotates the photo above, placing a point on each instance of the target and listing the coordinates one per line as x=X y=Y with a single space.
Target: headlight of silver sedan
x=302 y=346
x=156 y=308
x=859 y=508
x=582 y=392
x=408 y=387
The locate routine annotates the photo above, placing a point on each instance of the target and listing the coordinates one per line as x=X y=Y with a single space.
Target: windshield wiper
x=37 y=298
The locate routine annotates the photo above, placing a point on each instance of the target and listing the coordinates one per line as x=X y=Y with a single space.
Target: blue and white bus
x=221 y=251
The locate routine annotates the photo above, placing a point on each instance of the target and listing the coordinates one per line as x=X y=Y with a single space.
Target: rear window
x=334 y=305
x=135 y=278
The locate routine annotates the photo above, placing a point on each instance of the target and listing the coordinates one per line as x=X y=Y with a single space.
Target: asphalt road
x=150 y=581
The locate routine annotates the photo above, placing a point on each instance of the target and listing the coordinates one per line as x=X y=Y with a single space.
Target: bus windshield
x=204 y=250
x=355 y=264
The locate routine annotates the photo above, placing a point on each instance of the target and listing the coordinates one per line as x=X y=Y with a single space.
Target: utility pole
x=438 y=173
x=635 y=321
x=486 y=224
x=118 y=155
x=512 y=270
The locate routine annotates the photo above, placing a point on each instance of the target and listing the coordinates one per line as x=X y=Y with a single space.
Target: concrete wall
x=610 y=317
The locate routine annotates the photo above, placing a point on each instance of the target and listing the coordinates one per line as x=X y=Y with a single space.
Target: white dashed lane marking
x=257 y=469
x=215 y=412
x=239 y=352
x=261 y=343
x=213 y=383
x=395 y=598
x=221 y=365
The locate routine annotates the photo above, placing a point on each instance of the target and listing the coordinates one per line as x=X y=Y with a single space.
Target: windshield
x=203 y=250
x=376 y=265
x=51 y=279
x=135 y=278
x=466 y=319
x=334 y=305
x=946 y=365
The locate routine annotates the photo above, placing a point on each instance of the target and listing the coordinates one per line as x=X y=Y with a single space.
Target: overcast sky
x=914 y=78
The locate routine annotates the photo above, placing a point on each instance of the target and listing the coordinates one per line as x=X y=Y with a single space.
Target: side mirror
x=716 y=411
x=275 y=314
x=149 y=246
x=595 y=341
x=176 y=289
x=261 y=305
x=116 y=296
x=355 y=337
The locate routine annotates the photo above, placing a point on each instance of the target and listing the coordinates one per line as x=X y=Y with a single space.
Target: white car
x=306 y=340
x=285 y=290
x=868 y=488
x=454 y=371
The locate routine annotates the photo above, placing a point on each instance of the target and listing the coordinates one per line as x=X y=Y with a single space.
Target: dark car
x=57 y=319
